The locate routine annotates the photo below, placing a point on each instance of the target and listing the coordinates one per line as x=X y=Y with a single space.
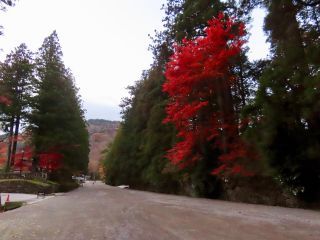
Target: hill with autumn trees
x=204 y=120
x=101 y=134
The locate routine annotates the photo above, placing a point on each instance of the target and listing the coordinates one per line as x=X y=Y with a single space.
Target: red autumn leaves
x=23 y=159
x=199 y=83
x=5 y=101
x=50 y=161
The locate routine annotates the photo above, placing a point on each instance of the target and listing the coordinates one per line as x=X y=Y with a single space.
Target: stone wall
x=26 y=186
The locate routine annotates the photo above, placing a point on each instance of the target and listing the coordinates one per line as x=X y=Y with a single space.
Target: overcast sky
x=104 y=42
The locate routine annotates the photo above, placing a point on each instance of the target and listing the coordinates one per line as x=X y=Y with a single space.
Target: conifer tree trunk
x=226 y=106
x=241 y=87
x=10 y=139
x=15 y=140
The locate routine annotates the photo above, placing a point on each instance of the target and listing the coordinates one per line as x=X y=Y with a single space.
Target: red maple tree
x=23 y=159
x=199 y=83
x=50 y=161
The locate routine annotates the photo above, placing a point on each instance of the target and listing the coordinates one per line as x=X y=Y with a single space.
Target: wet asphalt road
x=97 y=212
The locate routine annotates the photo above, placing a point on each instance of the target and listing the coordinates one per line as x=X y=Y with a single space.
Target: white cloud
x=257 y=42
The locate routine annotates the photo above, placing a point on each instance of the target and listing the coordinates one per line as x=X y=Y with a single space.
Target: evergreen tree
x=136 y=156
x=3 y=7
x=18 y=85
x=287 y=103
x=58 y=123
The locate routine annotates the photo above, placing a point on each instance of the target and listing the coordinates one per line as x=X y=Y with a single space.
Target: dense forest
x=39 y=99
x=204 y=115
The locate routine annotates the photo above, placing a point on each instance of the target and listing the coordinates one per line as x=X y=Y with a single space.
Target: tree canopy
x=220 y=115
x=58 y=123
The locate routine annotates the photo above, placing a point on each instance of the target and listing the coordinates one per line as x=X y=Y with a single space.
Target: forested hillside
x=101 y=134
x=204 y=115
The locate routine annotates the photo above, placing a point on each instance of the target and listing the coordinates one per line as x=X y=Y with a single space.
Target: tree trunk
x=10 y=139
x=15 y=140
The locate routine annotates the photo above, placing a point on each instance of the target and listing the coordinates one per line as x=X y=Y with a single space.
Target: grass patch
x=36 y=182
x=51 y=182
x=39 y=183
x=12 y=205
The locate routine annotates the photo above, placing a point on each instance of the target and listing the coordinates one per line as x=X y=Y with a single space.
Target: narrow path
x=97 y=212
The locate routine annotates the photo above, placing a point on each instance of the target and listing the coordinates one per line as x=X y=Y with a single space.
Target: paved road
x=97 y=212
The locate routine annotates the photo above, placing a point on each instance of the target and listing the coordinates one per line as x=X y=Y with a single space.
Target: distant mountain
x=101 y=133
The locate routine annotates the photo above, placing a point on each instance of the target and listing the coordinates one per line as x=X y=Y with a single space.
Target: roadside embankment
x=27 y=186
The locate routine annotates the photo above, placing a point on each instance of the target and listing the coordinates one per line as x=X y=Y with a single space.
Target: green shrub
x=68 y=186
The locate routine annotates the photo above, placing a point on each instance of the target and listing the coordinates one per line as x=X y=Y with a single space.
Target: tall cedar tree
x=136 y=155
x=18 y=85
x=287 y=103
x=58 y=124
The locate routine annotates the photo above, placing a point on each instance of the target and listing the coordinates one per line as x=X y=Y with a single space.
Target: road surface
x=97 y=212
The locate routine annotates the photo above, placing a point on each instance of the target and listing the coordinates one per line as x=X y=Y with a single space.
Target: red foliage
x=199 y=84
x=4 y=100
x=50 y=161
x=25 y=154
x=47 y=161
x=23 y=160
x=3 y=154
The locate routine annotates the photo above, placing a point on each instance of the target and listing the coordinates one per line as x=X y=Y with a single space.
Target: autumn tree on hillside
x=201 y=107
